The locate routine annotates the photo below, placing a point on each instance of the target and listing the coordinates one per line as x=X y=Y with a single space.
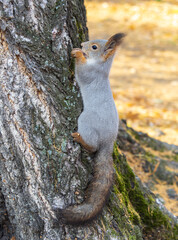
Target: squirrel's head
x=97 y=51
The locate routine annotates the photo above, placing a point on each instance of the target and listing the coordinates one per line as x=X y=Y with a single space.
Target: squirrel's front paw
x=79 y=55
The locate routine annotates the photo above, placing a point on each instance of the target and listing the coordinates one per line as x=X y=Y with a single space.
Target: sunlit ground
x=144 y=76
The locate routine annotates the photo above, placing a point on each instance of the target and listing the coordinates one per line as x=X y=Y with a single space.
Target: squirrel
x=97 y=124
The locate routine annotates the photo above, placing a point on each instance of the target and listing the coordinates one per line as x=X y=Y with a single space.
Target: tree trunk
x=39 y=106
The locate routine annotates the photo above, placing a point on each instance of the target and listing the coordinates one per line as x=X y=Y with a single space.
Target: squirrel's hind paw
x=78 y=138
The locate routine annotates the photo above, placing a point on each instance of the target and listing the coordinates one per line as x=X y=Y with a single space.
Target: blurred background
x=144 y=75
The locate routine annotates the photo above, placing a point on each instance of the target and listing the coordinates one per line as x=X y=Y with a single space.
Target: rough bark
x=39 y=106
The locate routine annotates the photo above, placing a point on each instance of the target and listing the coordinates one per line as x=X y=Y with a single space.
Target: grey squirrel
x=97 y=124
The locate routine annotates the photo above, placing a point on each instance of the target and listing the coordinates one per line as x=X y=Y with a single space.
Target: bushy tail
x=97 y=192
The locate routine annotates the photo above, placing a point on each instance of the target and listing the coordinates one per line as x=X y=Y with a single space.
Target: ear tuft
x=112 y=44
x=114 y=41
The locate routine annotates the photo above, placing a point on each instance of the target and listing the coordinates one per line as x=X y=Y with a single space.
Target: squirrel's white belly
x=99 y=126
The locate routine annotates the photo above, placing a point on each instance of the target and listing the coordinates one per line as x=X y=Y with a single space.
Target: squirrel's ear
x=112 y=44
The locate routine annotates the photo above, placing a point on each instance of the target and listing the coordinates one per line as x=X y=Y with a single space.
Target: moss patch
x=138 y=204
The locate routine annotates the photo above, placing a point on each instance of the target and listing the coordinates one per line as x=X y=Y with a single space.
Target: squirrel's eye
x=94 y=47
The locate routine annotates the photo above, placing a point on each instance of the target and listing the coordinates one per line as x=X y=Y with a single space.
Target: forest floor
x=144 y=76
